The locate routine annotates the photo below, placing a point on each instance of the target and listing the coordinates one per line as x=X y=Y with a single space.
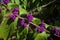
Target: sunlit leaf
x=11 y=5
x=22 y=11
x=13 y=26
x=12 y=1
x=4 y=31
x=41 y=36
x=17 y=2
x=36 y=21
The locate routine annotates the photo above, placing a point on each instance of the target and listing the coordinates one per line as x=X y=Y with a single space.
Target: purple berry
x=12 y=17
x=5 y=1
x=54 y=29
x=30 y=17
x=16 y=9
x=15 y=13
x=24 y=25
x=22 y=22
x=42 y=25
x=57 y=32
x=41 y=29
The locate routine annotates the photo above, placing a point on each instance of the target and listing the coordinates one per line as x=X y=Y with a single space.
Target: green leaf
x=13 y=26
x=25 y=31
x=42 y=36
x=17 y=2
x=4 y=11
x=33 y=1
x=12 y=1
x=49 y=27
x=25 y=3
x=15 y=22
x=22 y=11
x=23 y=34
x=4 y=31
x=36 y=21
x=18 y=36
x=35 y=34
x=11 y=5
x=24 y=39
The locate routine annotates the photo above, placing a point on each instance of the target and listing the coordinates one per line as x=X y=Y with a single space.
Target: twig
x=42 y=6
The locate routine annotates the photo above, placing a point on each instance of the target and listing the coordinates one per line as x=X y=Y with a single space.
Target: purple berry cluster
x=12 y=17
x=56 y=31
x=15 y=13
x=23 y=23
x=41 y=28
x=30 y=17
x=6 y=1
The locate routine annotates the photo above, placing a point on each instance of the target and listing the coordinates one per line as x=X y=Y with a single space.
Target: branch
x=42 y=6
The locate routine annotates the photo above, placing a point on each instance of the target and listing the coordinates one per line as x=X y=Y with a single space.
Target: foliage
x=47 y=10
